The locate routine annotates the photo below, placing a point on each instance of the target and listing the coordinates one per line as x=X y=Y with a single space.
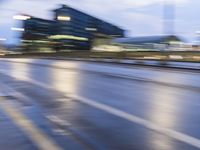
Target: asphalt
x=87 y=105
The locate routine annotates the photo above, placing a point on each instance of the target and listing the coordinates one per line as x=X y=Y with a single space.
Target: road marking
x=56 y=120
x=40 y=139
x=140 y=121
x=130 y=117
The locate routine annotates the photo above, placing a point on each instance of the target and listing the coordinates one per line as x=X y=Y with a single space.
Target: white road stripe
x=38 y=137
x=145 y=123
x=130 y=117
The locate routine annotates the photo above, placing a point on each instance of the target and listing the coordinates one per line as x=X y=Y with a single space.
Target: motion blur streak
x=42 y=141
x=99 y=75
x=86 y=96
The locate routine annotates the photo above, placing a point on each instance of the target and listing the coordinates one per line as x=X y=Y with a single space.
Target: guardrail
x=188 y=56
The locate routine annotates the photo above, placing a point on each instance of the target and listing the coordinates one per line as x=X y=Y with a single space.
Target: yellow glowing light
x=196 y=57
x=21 y=17
x=57 y=37
x=17 y=29
x=151 y=57
x=64 y=18
x=35 y=41
x=175 y=57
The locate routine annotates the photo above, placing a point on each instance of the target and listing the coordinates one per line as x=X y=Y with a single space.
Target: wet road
x=85 y=105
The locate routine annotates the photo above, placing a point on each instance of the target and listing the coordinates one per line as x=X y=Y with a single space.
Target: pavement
x=59 y=104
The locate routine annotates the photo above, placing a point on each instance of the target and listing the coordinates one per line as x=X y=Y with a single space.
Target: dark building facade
x=71 y=28
x=37 y=29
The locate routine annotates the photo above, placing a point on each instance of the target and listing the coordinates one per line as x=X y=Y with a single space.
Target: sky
x=137 y=17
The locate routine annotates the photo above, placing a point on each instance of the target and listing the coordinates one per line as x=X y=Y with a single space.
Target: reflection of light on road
x=164 y=108
x=66 y=81
x=175 y=57
x=161 y=142
x=20 y=71
x=164 y=113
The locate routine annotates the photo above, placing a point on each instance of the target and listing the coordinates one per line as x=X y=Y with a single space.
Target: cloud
x=138 y=16
x=101 y=6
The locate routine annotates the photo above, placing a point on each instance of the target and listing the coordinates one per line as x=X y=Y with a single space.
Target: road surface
x=51 y=104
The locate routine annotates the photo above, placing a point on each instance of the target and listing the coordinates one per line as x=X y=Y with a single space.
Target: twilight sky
x=138 y=17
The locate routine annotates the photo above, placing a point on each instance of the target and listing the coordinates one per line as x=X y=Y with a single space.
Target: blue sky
x=138 y=17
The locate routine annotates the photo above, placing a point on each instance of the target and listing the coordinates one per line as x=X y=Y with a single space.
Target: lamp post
x=169 y=17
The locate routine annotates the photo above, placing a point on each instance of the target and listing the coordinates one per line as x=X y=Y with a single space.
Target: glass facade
x=71 y=28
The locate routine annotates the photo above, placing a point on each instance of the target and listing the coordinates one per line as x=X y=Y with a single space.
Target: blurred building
x=160 y=42
x=70 y=29
x=36 y=33
x=37 y=29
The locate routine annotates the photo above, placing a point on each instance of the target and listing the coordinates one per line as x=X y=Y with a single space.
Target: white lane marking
x=40 y=139
x=140 y=121
x=132 y=118
x=61 y=132
x=57 y=120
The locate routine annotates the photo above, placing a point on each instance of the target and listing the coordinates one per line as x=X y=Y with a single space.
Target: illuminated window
x=17 y=29
x=21 y=17
x=57 y=37
x=91 y=29
x=64 y=18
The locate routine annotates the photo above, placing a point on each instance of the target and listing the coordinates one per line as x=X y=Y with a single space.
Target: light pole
x=169 y=17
